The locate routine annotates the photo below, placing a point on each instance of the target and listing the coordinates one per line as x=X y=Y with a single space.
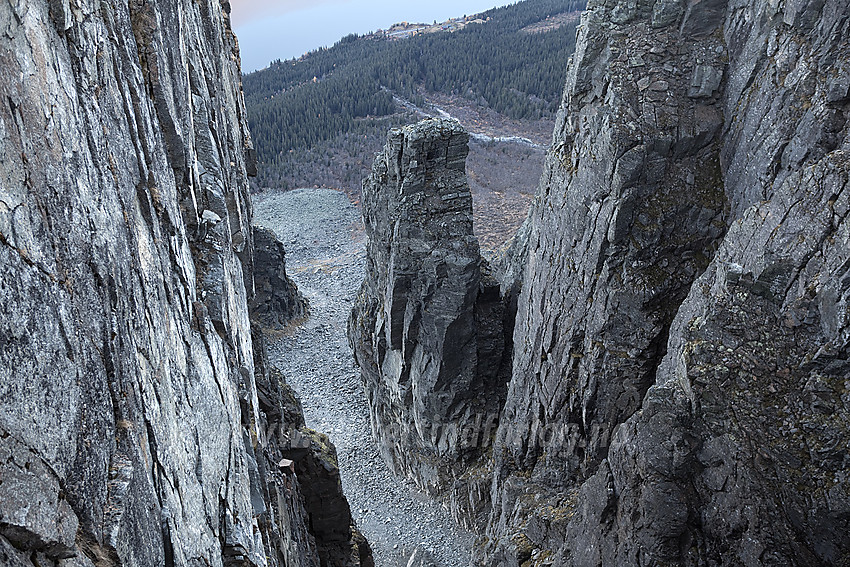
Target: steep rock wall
x=628 y=214
x=679 y=390
x=426 y=328
x=131 y=431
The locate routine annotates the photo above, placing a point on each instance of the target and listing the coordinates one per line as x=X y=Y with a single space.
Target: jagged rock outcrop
x=427 y=326
x=277 y=301
x=679 y=392
x=131 y=427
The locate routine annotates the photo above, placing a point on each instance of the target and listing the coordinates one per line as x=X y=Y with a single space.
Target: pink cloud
x=247 y=11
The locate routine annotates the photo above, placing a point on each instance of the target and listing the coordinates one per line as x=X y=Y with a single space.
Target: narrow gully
x=322 y=231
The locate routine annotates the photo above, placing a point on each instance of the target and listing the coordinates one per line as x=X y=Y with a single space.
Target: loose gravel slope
x=325 y=243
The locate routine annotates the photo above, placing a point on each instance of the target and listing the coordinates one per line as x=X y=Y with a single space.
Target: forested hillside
x=296 y=104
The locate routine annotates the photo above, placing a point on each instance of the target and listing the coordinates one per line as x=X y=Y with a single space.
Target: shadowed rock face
x=277 y=301
x=426 y=328
x=131 y=426
x=679 y=392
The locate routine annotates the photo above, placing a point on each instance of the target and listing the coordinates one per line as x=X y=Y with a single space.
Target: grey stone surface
x=679 y=388
x=131 y=427
x=426 y=328
x=35 y=514
x=420 y=558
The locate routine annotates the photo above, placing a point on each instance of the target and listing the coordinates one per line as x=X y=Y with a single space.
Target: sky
x=283 y=29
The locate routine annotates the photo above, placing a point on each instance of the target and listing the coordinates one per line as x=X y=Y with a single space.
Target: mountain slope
x=296 y=104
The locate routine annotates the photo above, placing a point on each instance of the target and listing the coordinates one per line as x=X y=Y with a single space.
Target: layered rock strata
x=679 y=392
x=427 y=326
x=132 y=430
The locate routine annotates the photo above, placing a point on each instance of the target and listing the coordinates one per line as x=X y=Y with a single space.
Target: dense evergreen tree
x=295 y=104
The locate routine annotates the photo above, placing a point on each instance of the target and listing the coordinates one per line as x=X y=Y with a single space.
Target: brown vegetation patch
x=553 y=22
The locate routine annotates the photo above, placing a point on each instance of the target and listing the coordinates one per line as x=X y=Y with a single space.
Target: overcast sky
x=283 y=29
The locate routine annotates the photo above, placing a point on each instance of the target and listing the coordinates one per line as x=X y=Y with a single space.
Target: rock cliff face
x=680 y=379
x=136 y=427
x=426 y=328
x=679 y=387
